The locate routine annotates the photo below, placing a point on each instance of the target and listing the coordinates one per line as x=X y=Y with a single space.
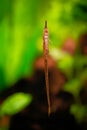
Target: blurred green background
x=21 y=41
x=21 y=32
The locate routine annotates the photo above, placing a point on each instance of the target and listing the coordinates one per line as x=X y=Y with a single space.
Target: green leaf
x=15 y=103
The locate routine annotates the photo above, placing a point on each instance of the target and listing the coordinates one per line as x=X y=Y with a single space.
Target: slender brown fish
x=46 y=51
